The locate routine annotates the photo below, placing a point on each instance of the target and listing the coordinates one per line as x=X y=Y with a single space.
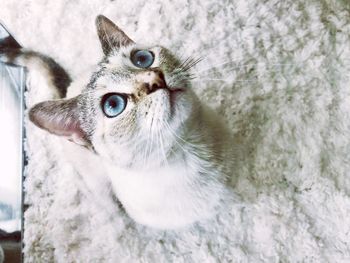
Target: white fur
x=166 y=174
x=175 y=193
x=180 y=191
x=169 y=197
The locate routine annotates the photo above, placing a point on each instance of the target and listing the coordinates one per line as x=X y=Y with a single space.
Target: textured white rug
x=278 y=71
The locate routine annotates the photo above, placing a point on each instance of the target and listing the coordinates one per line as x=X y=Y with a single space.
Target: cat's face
x=135 y=108
x=134 y=113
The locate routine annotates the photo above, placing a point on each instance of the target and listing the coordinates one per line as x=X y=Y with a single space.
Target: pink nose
x=152 y=80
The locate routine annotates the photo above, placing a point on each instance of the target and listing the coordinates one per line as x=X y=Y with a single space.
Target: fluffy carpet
x=278 y=71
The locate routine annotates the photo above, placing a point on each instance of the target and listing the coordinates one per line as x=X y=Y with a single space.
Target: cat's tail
x=51 y=73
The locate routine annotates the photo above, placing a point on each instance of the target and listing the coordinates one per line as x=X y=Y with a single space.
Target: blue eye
x=113 y=104
x=142 y=58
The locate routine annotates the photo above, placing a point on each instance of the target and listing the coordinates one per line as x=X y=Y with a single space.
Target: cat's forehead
x=112 y=83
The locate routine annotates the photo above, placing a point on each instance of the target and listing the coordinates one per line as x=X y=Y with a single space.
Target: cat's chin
x=168 y=103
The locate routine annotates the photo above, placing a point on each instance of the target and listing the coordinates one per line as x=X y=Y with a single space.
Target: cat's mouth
x=173 y=95
x=172 y=90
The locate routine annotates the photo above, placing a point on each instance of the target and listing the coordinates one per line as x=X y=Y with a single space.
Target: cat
x=138 y=125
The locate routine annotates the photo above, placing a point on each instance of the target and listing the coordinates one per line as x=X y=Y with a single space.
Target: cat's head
x=136 y=107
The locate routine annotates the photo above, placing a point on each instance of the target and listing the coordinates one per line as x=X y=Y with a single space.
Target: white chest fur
x=167 y=197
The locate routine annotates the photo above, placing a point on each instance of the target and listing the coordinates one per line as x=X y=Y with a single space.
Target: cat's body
x=144 y=131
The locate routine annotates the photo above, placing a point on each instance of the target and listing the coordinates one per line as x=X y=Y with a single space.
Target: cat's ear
x=111 y=36
x=60 y=117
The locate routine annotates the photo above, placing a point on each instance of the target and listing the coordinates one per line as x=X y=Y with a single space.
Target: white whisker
x=247 y=80
x=217 y=66
x=177 y=137
x=248 y=65
x=162 y=147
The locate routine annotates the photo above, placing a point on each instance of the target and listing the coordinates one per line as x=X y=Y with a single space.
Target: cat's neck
x=170 y=196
